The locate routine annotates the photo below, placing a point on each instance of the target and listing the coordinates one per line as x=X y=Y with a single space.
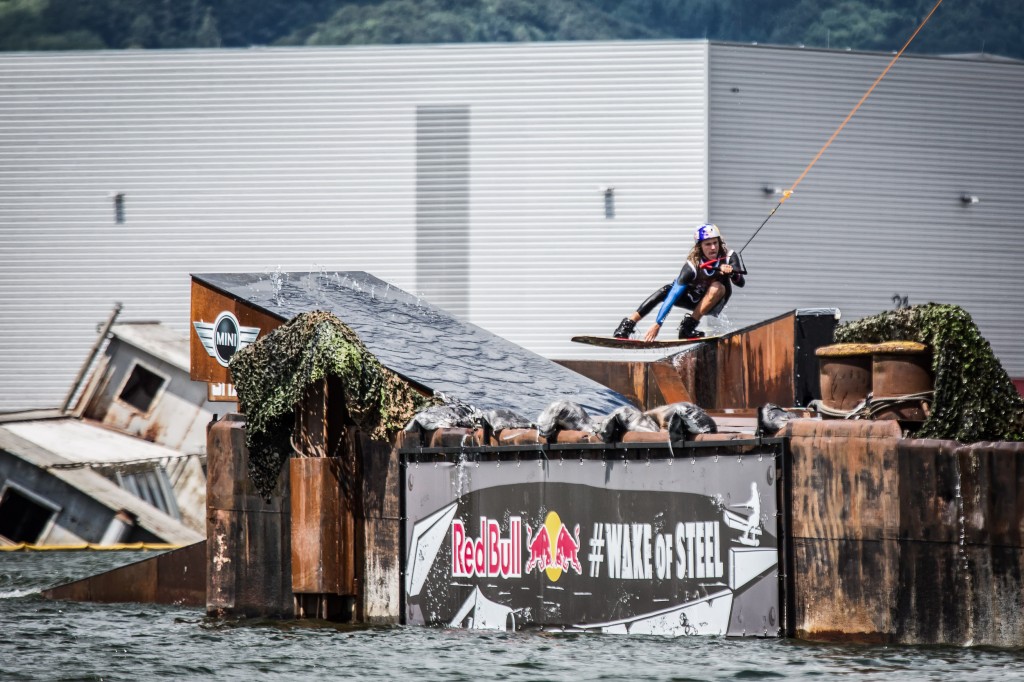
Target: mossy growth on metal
x=273 y=374
x=974 y=399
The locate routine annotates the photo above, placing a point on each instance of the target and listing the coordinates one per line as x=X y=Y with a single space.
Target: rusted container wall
x=317 y=543
x=378 y=534
x=742 y=370
x=248 y=538
x=757 y=367
x=844 y=529
x=905 y=541
x=177 y=577
x=323 y=541
x=962 y=514
x=628 y=378
x=671 y=382
x=345 y=515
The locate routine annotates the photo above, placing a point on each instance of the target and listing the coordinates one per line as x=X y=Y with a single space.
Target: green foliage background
x=960 y=26
x=975 y=399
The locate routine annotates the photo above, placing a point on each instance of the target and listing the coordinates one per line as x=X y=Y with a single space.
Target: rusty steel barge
x=819 y=528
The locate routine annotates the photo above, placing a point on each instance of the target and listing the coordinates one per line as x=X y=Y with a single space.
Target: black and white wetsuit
x=690 y=286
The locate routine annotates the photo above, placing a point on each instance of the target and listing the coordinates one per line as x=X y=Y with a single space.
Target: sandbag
x=564 y=415
x=496 y=421
x=683 y=420
x=448 y=416
x=771 y=418
x=623 y=419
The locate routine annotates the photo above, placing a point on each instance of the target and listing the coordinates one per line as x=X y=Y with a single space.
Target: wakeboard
x=612 y=342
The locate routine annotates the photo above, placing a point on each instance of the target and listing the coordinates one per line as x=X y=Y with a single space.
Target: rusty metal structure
x=859 y=533
x=769 y=362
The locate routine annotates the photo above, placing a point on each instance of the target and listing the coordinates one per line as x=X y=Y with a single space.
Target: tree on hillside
x=847 y=24
x=457 y=21
x=993 y=26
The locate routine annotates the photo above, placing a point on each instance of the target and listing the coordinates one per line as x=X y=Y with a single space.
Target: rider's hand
x=726 y=269
x=652 y=333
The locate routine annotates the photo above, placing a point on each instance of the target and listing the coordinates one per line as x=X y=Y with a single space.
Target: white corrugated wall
x=272 y=160
x=629 y=118
x=881 y=213
x=368 y=158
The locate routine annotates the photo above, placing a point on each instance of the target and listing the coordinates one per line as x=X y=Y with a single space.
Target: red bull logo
x=553 y=549
x=490 y=555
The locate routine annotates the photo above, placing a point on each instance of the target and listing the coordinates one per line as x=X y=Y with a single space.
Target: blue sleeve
x=670 y=300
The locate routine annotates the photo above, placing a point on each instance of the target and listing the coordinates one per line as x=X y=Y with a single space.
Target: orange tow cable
x=789 y=192
x=857 y=106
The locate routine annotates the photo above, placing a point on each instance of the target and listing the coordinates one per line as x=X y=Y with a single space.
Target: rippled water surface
x=44 y=640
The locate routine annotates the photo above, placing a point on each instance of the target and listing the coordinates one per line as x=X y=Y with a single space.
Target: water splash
x=962 y=560
x=277 y=278
x=719 y=324
x=961 y=518
x=461 y=473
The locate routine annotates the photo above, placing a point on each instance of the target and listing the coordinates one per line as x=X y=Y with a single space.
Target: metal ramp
x=421 y=342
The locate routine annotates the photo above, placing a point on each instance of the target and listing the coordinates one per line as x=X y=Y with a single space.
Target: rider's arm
x=670 y=299
x=686 y=275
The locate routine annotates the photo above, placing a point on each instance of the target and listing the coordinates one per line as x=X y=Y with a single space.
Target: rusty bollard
x=844 y=371
x=901 y=380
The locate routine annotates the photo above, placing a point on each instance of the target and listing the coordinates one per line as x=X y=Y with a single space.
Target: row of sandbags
x=682 y=420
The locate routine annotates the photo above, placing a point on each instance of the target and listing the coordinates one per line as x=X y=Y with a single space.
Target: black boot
x=625 y=328
x=688 y=328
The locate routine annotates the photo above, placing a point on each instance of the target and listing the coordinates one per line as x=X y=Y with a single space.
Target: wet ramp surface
x=422 y=342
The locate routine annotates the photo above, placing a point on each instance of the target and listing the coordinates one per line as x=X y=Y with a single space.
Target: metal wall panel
x=270 y=160
x=559 y=129
x=442 y=206
x=881 y=213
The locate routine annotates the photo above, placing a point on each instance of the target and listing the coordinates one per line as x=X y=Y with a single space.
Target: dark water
x=44 y=640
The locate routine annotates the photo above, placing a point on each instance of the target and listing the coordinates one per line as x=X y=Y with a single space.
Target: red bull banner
x=682 y=546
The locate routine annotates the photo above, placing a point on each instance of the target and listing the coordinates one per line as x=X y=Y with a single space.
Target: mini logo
x=224 y=337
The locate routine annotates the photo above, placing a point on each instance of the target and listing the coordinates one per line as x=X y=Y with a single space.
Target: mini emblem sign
x=225 y=336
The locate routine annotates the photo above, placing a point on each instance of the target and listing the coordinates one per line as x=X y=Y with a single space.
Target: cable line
x=789 y=192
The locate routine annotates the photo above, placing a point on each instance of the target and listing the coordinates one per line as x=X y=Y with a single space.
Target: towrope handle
x=712 y=264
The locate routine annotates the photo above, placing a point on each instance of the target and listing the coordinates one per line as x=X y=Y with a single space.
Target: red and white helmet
x=706 y=231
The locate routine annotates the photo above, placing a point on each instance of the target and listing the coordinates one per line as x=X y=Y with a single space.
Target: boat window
x=24 y=517
x=141 y=388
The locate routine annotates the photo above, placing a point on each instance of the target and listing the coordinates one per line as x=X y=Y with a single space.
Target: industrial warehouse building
x=536 y=190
